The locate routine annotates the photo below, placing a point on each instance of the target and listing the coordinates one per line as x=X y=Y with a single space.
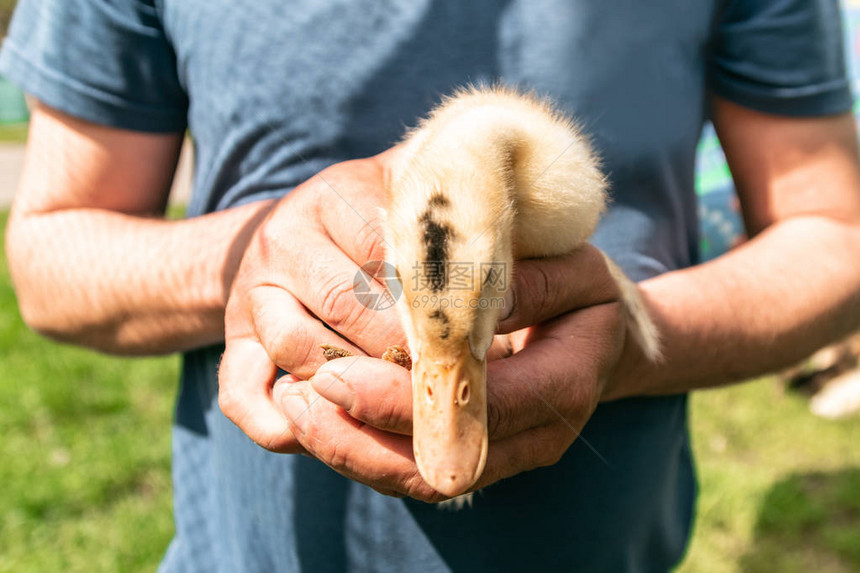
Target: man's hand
x=294 y=291
x=356 y=414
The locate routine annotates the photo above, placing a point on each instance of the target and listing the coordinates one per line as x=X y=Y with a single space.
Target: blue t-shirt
x=274 y=91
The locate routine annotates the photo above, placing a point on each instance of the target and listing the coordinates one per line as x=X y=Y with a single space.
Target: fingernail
x=334 y=389
x=296 y=408
x=510 y=302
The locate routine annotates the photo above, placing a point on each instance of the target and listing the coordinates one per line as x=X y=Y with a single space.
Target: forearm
x=790 y=290
x=126 y=284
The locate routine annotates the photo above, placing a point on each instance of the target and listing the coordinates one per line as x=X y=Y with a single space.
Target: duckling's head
x=454 y=260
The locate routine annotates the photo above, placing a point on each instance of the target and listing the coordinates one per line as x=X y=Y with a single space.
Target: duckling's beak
x=449 y=395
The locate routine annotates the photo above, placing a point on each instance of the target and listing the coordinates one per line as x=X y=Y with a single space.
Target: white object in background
x=840 y=398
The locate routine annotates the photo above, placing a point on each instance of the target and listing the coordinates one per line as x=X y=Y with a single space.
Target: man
x=274 y=93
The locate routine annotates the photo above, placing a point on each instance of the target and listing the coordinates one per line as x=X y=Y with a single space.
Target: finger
x=545 y=288
x=502 y=347
x=558 y=375
x=374 y=391
x=535 y=387
x=381 y=460
x=245 y=380
x=352 y=197
x=535 y=448
x=335 y=290
x=289 y=334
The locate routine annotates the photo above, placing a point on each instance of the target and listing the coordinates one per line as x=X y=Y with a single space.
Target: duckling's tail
x=639 y=322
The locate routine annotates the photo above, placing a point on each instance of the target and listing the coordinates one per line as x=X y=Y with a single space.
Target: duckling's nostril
x=463 y=393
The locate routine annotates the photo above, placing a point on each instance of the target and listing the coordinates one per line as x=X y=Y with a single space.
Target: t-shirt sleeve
x=781 y=56
x=105 y=61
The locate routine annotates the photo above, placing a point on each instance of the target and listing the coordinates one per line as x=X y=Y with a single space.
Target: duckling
x=491 y=176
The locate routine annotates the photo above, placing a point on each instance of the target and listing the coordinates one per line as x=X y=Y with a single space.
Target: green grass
x=84 y=453
x=84 y=467
x=780 y=488
x=14 y=133
x=6 y=8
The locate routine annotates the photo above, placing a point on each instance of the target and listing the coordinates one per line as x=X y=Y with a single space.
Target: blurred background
x=85 y=439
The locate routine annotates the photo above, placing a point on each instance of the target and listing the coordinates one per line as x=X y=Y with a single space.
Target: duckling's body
x=491 y=176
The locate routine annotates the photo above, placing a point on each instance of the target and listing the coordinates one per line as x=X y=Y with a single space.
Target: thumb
x=374 y=391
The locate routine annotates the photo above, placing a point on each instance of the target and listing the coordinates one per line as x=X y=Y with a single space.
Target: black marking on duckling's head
x=438 y=200
x=443 y=319
x=436 y=237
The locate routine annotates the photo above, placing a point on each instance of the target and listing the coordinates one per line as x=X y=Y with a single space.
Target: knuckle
x=290 y=347
x=233 y=408
x=338 y=305
x=386 y=414
x=272 y=241
x=278 y=443
x=369 y=240
x=550 y=457
x=287 y=339
x=301 y=202
x=335 y=454
x=540 y=291
x=226 y=401
x=270 y=234
x=497 y=407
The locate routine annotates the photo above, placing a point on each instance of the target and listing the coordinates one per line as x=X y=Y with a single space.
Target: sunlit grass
x=780 y=488
x=84 y=453
x=14 y=133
